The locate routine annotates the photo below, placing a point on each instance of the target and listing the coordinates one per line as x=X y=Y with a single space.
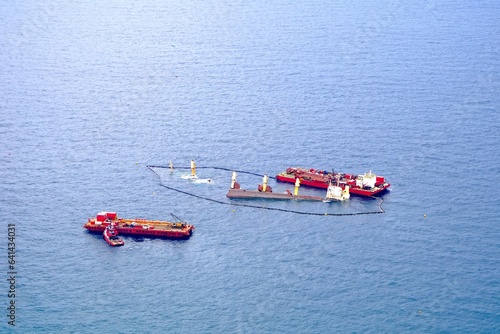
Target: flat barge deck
x=139 y=226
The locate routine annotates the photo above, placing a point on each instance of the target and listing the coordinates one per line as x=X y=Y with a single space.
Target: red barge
x=367 y=184
x=139 y=227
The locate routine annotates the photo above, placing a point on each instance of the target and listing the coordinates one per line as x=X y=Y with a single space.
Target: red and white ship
x=139 y=226
x=111 y=236
x=367 y=184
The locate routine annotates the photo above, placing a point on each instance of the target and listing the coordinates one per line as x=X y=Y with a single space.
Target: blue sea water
x=93 y=92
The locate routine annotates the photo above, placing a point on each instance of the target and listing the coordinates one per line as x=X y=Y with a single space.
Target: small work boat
x=111 y=236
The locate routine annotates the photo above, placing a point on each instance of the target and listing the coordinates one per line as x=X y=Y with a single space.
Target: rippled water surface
x=91 y=93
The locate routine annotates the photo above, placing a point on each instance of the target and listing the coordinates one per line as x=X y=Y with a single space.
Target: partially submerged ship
x=265 y=191
x=336 y=192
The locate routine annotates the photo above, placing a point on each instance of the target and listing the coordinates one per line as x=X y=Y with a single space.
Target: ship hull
x=323 y=182
x=255 y=194
x=112 y=239
x=291 y=179
x=143 y=228
x=143 y=232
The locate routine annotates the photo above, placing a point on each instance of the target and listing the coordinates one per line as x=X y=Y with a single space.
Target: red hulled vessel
x=367 y=184
x=139 y=226
x=111 y=236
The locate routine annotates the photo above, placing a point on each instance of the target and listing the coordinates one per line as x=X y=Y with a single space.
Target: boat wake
x=196 y=179
x=207 y=181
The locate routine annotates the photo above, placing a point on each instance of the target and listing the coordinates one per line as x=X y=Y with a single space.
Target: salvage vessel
x=110 y=235
x=367 y=184
x=139 y=226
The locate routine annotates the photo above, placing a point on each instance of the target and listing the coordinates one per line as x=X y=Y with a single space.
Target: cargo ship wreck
x=264 y=191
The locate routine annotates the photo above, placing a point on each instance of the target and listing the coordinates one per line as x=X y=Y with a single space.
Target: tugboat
x=367 y=184
x=139 y=226
x=265 y=191
x=111 y=236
